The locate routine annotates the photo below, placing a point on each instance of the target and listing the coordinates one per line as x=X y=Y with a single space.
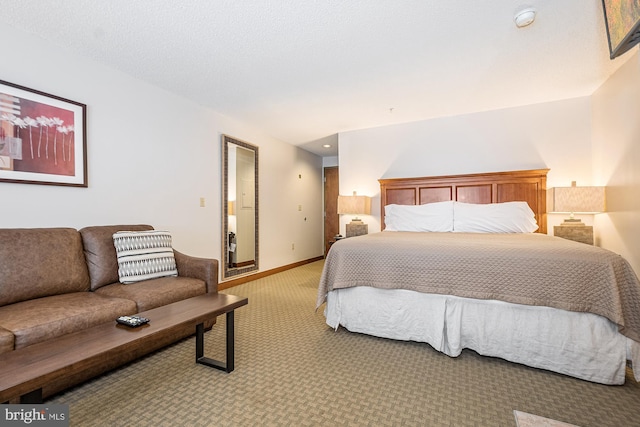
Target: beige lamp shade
x=355 y=205
x=585 y=200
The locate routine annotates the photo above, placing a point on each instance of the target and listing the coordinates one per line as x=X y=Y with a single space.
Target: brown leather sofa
x=54 y=281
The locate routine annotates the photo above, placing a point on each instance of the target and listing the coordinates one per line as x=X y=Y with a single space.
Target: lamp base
x=573 y=222
x=576 y=232
x=357 y=228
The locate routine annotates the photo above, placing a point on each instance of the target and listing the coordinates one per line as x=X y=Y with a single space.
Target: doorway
x=331 y=217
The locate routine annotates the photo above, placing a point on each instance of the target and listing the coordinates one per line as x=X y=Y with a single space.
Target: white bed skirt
x=582 y=345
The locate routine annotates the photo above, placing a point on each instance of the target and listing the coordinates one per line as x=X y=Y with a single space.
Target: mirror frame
x=228 y=272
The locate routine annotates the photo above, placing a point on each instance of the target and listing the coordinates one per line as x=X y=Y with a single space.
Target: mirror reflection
x=240 y=206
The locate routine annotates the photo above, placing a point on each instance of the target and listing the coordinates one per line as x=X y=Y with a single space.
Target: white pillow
x=436 y=217
x=508 y=217
x=144 y=255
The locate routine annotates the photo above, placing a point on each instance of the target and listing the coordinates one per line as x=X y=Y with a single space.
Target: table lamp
x=355 y=205
x=572 y=200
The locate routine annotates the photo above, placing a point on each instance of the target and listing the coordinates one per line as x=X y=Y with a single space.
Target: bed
x=464 y=261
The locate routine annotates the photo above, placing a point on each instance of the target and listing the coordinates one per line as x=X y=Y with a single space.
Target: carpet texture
x=293 y=370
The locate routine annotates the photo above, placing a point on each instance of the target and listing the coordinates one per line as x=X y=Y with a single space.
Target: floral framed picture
x=42 y=138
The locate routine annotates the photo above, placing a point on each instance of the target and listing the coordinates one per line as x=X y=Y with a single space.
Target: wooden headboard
x=495 y=187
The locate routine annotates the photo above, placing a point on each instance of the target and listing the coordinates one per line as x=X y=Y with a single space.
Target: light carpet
x=293 y=370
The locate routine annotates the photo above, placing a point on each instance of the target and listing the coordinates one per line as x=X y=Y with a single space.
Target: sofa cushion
x=6 y=341
x=144 y=255
x=154 y=293
x=101 y=254
x=45 y=318
x=39 y=262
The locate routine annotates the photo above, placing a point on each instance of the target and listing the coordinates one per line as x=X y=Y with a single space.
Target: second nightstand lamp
x=355 y=205
x=572 y=200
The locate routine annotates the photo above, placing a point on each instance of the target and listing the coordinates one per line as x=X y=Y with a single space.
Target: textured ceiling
x=303 y=70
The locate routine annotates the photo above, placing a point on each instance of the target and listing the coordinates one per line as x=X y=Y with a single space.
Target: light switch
x=202 y=202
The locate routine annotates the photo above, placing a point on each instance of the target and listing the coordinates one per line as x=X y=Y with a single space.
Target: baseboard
x=244 y=279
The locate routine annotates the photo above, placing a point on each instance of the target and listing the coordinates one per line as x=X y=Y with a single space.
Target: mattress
x=520 y=268
x=582 y=345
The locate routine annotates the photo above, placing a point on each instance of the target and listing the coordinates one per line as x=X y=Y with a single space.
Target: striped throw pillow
x=144 y=255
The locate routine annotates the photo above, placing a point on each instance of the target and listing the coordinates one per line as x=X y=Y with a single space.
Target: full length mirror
x=239 y=206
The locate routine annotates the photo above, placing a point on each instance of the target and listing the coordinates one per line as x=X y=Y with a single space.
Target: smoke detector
x=525 y=17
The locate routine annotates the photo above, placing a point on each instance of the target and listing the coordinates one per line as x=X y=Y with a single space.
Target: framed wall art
x=622 y=19
x=42 y=138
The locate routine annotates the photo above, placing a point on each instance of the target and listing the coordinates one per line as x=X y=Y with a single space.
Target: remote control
x=132 y=321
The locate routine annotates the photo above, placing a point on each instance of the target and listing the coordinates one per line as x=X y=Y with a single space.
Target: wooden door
x=331 y=217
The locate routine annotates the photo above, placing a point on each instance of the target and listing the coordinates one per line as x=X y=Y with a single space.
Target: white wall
x=152 y=156
x=328 y=162
x=554 y=135
x=616 y=156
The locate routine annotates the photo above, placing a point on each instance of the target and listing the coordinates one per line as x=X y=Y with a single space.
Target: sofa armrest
x=200 y=268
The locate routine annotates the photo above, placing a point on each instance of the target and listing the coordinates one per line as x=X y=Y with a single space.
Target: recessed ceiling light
x=327 y=145
x=525 y=17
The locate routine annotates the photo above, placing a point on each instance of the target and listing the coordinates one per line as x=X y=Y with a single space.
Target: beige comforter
x=532 y=269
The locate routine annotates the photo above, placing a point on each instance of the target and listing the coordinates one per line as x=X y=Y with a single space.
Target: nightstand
x=577 y=233
x=357 y=228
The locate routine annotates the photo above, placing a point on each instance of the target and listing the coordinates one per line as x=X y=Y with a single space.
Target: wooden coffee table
x=25 y=371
